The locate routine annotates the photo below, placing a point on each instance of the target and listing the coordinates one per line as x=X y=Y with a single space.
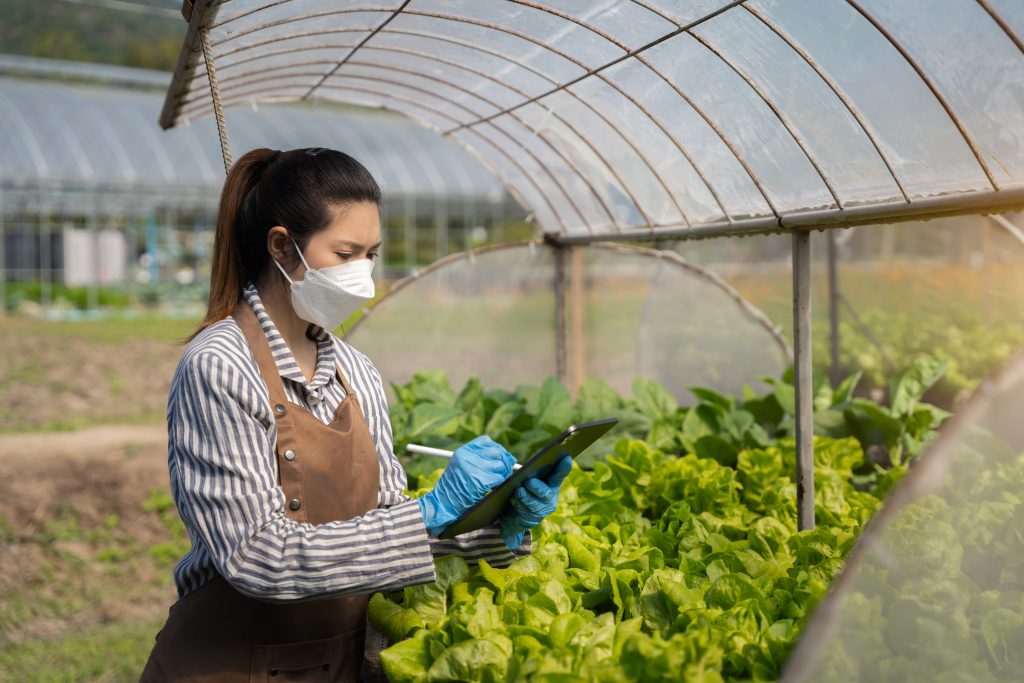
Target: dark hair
x=298 y=189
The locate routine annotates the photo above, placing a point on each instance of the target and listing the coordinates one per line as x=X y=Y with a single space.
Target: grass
x=111 y=652
x=71 y=613
x=104 y=331
x=76 y=423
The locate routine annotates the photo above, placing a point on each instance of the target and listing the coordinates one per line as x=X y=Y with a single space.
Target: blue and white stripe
x=223 y=471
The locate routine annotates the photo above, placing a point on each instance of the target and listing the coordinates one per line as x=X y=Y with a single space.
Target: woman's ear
x=279 y=244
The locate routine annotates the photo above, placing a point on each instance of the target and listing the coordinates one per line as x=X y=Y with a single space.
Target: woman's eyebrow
x=356 y=245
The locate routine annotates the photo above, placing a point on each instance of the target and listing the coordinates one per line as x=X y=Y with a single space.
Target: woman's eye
x=344 y=257
x=372 y=256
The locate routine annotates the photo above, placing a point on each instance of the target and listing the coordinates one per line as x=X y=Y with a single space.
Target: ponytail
x=227 y=272
x=296 y=189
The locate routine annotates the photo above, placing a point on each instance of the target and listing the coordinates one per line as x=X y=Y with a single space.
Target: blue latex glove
x=532 y=502
x=476 y=468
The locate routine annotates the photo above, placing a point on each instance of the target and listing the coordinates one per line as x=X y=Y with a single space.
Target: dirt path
x=79 y=534
x=95 y=472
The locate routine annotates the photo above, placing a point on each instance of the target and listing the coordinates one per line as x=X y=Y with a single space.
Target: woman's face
x=353 y=234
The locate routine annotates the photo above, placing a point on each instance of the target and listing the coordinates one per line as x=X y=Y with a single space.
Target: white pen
x=427 y=450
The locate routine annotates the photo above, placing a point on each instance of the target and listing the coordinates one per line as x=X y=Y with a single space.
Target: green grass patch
x=113 y=331
x=113 y=652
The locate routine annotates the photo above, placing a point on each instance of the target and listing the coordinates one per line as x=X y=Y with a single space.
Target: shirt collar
x=283 y=358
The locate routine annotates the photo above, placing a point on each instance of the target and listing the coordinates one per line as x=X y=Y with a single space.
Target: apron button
x=289 y=454
x=294 y=504
x=279 y=408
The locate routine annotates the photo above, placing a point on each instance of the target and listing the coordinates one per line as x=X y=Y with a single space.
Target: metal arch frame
x=402 y=172
x=376 y=29
x=996 y=17
x=186 y=56
x=587 y=72
x=565 y=191
x=303 y=17
x=568 y=195
x=441 y=114
x=435 y=58
x=610 y=167
x=782 y=118
x=756 y=314
x=427 y=163
x=835 y=87
x=713 y=278
x=507 y=110
x=270 y=41
x=525 y=66
x=926 y=79
x=639 y=105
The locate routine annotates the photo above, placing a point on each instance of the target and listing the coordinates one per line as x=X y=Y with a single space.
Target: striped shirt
x=224 y=480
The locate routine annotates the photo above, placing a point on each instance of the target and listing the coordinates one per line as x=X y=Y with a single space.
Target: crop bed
x=673 y=554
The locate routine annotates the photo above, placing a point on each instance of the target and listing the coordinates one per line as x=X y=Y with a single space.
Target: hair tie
x=270 y=158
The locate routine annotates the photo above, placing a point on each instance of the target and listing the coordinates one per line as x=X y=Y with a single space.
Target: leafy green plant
x=650 y=561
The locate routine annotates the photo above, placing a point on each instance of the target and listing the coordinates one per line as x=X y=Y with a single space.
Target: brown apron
x=328 y=472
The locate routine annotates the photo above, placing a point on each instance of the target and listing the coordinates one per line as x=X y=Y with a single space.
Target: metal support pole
x=802 y=380
x=561 y=319
x=833 y=308
x=577 y=313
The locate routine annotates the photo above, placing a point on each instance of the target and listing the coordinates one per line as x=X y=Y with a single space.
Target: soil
x=74 y=537
x=53 y=382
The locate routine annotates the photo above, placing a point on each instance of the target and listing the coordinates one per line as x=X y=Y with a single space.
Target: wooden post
x=802 y=380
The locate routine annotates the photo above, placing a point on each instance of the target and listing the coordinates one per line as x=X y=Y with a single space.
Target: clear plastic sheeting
x=629 y=313
x=934 y=589
x=490 y=315
x=647 y=118
x=651 y=314
x=113 y=140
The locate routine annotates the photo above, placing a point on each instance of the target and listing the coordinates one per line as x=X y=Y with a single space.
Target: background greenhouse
x=781 y=240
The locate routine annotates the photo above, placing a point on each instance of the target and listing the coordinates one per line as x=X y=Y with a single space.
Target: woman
x=280 y=448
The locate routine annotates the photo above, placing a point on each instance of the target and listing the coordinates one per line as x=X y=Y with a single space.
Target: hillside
x=142 y=33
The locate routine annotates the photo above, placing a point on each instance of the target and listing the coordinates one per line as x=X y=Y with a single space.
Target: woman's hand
x=532 y=502
x=476 y=468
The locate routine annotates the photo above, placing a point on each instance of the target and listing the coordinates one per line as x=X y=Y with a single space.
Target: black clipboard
x=573 y=441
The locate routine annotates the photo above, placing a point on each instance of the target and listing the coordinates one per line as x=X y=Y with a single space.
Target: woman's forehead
x=357 y=223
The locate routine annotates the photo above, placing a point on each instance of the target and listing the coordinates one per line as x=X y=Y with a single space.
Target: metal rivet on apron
x=279 y=408
x=289 y=454
x=294 y=504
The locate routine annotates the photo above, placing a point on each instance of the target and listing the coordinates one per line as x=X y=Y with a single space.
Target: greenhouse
x=779 y=243
x=105 y=199
x=630 y=120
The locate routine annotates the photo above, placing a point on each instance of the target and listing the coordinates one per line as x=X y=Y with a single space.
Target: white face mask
x=328 y=296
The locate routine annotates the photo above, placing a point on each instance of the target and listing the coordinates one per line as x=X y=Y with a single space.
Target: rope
x=218 y=108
